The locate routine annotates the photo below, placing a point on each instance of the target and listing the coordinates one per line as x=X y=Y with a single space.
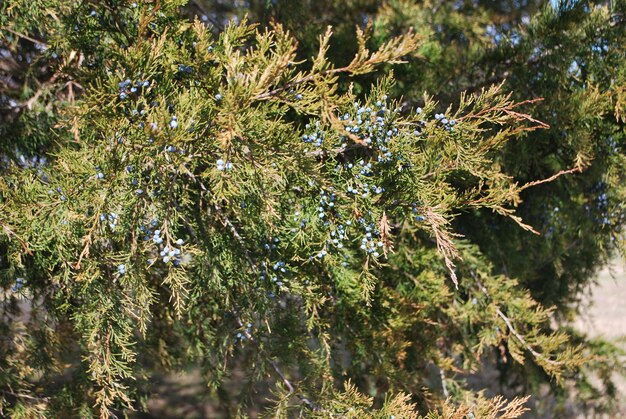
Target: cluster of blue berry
x=327 y=202
x=602 y=203
x=168 y=253
x=297 y=216
x=112 y=218
x=337 y=236
x=59 y=191
x=156 y=237
x=363 y=189
x=418 y=217
x=150 y=233
x=447 y=124
x=172 y=253
x=600 y=211
x=37 y=162
x=613 y=145
x=553 y=221
x=338 y=229
x=221 y=165
x=185 y=69
x=272 y=244
x=370 y=243
x=277 y=271
x=313 y=135
x=280 y=269
x=19 y=283
x=373 y=126
x=127 y=87
x=325 y=210
x=174 y=123
x=247 y=332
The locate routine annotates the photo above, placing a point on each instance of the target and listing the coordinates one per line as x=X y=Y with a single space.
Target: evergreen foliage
x=273 y=195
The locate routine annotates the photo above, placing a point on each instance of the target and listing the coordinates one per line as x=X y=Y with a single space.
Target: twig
x=226 y=221
x=287 y=383
x=508 y=109
x=310 y=77
x=445 y=246
x=514 y=331
x=233 y=230
x=551 y=178
x=29 y=103
x=22 y=242
x=282 y=376
x=278 y=371
x=443 y=383
x=523 y=341
x=25 y=396
x=21 y=35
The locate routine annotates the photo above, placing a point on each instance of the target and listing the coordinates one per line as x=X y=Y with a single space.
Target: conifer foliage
x=233 y=198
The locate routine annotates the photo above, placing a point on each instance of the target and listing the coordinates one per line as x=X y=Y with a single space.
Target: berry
x=19 y=282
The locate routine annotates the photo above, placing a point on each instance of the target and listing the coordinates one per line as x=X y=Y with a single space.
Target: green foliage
x=245 y=200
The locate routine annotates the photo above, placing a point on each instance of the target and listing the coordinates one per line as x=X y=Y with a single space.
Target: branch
x=443 y=238
x=523 y=341
x=25 y=396
x=310 y=77
x=233 y=230
x=278 y=371
x=551 y=178
x=514 y=331
x=21 y=35
x=443 y=383
x=22 y=242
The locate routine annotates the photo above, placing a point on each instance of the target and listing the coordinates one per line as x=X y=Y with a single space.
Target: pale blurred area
x=604 y=314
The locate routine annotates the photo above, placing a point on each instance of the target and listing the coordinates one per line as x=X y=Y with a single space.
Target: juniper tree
x=242 y=197
x=570 y=54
